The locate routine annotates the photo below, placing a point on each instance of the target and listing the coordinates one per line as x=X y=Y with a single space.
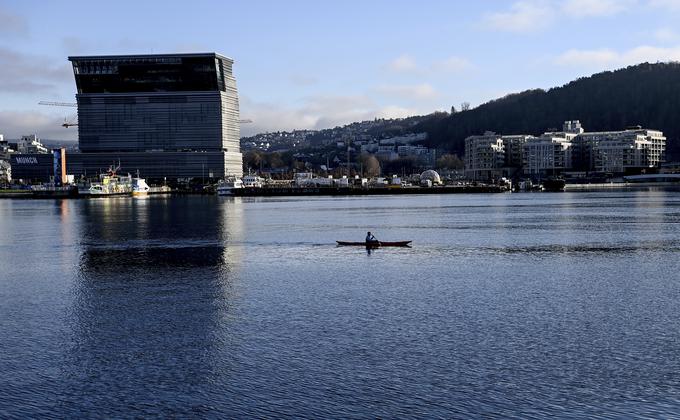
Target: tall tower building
x=172 y=116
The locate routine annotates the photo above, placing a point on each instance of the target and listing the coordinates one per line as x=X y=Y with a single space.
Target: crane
x=71 y=104
x=75 y=105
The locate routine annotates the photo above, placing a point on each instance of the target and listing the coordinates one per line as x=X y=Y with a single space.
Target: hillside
x=645 y=94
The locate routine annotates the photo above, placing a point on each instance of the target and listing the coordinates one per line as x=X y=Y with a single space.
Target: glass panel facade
x=148 y=74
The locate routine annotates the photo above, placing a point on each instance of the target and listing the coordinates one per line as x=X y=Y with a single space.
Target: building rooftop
x=147 y=56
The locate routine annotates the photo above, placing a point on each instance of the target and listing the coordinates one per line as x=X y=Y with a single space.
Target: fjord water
x=526 y=305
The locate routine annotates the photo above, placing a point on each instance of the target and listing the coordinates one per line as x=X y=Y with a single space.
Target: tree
x=370 y=164
x=453 y=109
x=252 y=159
x=465 y=106
x=449 y=161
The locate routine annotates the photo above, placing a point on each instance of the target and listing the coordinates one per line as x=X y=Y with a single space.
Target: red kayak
x=376 y=244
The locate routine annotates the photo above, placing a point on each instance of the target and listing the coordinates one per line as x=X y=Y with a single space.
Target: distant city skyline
x=309 y=65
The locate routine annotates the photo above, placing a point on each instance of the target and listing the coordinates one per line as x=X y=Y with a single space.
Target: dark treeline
x=645 y=94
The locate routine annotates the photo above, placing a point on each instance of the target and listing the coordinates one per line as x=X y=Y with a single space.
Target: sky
x=314 y=64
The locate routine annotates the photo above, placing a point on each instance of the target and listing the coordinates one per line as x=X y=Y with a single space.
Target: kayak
x=376 y=244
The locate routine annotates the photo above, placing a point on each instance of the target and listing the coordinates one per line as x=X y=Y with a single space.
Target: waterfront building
x=484 y=157
x=5 y=172
x=548 y=154
x=5 y=149
x=554 y=152
x=628 y=151
x=30 y=144
x=32 y=168
x=173 y=116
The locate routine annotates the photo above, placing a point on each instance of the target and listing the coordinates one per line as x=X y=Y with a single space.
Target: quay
x=350 y=191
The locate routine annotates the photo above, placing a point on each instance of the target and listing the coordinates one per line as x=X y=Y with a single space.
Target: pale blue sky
x=315 y=64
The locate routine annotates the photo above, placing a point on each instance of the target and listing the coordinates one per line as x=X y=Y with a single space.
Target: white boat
x=252 y=181
x=227 y=186
x=139 y=186
x=108 y=184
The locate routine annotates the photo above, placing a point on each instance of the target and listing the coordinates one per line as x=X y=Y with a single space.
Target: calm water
x=522 y=305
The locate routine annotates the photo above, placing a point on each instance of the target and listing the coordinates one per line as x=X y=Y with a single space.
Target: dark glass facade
x=149 y=74
x=147 y=104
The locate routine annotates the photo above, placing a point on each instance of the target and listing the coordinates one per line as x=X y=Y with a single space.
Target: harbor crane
x=67 y=124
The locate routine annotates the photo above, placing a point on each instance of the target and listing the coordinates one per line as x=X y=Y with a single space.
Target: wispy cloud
x=12 y=24
x=303 y=80
x=403 y=63
x=608 y=58
x=407 y=64
x=666 y=35
x=315 y=112
x=24 y=73
x=453 y=64
x=419 y=91
x=592 y=8
x=672 y=5
x=523 y=16
x=15 y=124
x=526 y=16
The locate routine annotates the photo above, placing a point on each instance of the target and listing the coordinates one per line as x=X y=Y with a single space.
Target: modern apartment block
x=621 y=151
x=548 y=154
x=572 y=149
x=167 y=116
x=484 y=156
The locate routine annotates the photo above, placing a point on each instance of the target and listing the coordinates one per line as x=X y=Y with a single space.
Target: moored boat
x=139 y=186
x=108 y=184
x=227 y=186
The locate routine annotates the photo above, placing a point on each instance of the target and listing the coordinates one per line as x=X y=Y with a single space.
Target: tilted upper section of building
x=204 y=72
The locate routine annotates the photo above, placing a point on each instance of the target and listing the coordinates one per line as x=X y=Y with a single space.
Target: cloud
x=608 y=58
x=403 y=64
x=24 y=73
x=453 y=64
x=523 y=16
x=591 y=8
x=303 y=80
x=527 y=16
x=316 y=112
x=407 y=64
x=420 y=91
x=15 y=124
x=11 y=24
x=666 y=35
x=673 y=5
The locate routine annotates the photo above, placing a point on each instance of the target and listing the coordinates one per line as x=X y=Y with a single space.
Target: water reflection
x=152 y=304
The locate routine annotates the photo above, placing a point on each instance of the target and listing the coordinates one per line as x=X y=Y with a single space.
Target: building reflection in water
x=152 y=302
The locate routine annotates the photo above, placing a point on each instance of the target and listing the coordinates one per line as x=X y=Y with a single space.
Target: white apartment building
x=492 y=155
x=5 y=172
x=484 y=156
x=618 y=151
x=549 y=154
x=30 y=145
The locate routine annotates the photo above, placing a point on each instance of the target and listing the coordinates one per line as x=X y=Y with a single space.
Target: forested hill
x=645 y=94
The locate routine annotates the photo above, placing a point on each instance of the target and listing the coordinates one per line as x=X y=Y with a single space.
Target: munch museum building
x=173 y=116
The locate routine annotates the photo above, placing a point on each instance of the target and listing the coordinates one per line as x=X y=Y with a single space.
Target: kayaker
x=370 y=237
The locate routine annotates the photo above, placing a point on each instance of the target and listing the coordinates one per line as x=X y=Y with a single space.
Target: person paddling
x=370 y=237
